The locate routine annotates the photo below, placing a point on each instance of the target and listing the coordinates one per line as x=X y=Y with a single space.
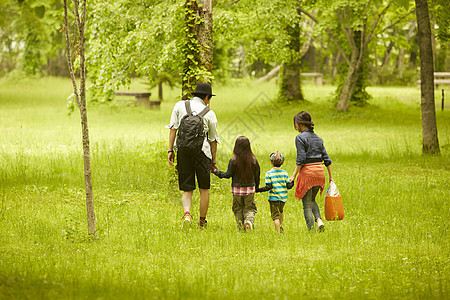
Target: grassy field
x=393 y=243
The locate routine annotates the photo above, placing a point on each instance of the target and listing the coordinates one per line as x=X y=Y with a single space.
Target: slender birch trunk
x=78 y=40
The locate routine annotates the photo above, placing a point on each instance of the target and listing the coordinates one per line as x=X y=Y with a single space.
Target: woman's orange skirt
x=311 y=175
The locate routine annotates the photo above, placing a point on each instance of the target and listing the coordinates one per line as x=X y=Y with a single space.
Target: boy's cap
x=277 y=158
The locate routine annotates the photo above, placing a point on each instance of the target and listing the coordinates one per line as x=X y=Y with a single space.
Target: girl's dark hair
x=243 y=159
x=303 y=118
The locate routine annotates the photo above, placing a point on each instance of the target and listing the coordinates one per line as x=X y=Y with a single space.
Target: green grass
x=392 y=243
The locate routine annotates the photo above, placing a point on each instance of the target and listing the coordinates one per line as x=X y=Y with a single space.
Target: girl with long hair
x=244 y=170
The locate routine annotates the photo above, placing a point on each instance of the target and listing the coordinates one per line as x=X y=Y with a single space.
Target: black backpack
x=191 y=133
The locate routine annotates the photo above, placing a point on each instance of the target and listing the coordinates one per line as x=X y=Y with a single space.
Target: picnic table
x=142 y=99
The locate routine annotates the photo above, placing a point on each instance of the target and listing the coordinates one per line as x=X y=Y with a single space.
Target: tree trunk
x=205 y=36
x=198 y=50
x=401 y=55
x=80 y=97
x=429 y=129
x=442 y=57
x=290 y=89
x=358 y=44
x=87 y=168
x=387 y=54
x=349 y=83
x=359 y=95
x=160 y=91
x=336 y=59
x=413 y=53
x=354 y=72
x=400 y=58
x=270 y=75
x=308 y=61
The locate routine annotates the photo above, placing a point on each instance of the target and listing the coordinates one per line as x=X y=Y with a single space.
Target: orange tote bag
x=334 y=207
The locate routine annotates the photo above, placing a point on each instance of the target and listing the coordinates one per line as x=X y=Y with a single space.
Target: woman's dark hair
x=303 y=118
x=243 y=159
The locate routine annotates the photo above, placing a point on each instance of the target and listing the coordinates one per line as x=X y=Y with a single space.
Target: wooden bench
x=318 y=77
x=440 y=78
x=142 y=99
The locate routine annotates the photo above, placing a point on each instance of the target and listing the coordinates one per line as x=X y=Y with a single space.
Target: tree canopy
x=148 y=39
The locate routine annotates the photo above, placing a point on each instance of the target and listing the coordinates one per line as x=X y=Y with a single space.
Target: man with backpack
x=193 y=134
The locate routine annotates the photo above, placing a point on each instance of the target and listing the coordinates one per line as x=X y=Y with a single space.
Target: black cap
x=203 y=89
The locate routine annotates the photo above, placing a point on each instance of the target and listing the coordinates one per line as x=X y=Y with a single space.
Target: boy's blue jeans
x=310 y=207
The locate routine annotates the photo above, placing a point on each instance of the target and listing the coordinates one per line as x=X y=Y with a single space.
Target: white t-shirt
x=209 y=122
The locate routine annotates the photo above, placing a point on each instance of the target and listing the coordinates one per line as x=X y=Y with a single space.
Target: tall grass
x=393 y=242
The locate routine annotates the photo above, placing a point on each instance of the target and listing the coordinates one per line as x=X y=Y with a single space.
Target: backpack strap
x=204 y=112
x=187 y=103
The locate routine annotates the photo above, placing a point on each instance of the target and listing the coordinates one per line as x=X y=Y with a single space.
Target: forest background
x=147 y=39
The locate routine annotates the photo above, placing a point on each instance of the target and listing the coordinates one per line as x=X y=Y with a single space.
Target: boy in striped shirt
x=277 y=183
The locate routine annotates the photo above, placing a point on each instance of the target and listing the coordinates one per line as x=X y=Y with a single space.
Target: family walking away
x=243 y=168
x=310 y=155
x=193 y=134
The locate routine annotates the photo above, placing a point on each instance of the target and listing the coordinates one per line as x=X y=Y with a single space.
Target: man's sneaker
x=202 y=224
x=281 y=229
x=240 y=226
x=248 y=225
x=320 y=225
x=187 y=220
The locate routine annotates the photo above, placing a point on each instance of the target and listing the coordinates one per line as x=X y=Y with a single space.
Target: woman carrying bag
x=310 y=155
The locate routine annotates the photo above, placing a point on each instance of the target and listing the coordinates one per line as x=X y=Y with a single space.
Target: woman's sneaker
x=320 y=225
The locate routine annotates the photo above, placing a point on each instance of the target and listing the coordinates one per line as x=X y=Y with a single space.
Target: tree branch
x=69 y=55
x=348 y=33
x=375 y=24
x=232 y=2
x=83 y=22
x=362 y=50
x=308 y=14
x=395 y=23
x=77 y=15
x=330 y=34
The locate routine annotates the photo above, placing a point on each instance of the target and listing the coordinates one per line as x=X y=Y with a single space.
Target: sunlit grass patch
x=392 y=243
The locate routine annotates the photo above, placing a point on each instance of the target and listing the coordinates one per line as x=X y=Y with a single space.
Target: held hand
x=171 y=158
x=292 y=178
x=213 y=167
